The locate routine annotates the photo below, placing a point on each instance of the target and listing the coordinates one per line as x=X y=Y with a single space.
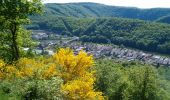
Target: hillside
x=100 y=10
x=108 y=24
x=68 y=55
x=165 y=19
x=131 y=33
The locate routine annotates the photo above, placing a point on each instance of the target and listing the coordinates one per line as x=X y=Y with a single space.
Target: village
x=110 y=51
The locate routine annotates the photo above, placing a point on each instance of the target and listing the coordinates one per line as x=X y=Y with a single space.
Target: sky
x=127 y=3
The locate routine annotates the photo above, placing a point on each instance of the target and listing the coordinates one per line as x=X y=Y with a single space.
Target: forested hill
x=100 y=10
x=96 y=23
x=149 y=36
x=165 y=19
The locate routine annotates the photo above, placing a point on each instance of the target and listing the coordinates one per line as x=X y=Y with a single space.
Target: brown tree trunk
x=14 y=46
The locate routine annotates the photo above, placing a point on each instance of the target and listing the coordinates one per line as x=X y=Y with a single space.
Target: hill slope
x=149 y=36
x=100 y=10
x=96 y=23
x=165 y=19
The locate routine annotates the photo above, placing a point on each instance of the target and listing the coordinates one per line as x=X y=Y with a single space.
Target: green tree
x=144 y=83
x=130 y=81
x=13 y=14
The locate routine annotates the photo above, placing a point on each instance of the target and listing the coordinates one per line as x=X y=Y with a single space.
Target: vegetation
x=75 y=77
x=131 y=81
x=98 y=23
x=100 y=10
x=131 y=33
x=13 y=14
x=69 y=76
x=62 y=76
x=164 y=19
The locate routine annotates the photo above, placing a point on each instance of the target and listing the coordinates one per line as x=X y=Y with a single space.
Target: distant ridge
x=101 y=10
x=100 y=23
x=164 y=19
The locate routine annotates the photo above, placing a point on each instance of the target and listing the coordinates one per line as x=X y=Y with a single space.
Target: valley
x=83 y=51
x=48 y=46
x=123 y=33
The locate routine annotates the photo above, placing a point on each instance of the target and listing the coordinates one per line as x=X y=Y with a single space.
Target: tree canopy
x=13 y=14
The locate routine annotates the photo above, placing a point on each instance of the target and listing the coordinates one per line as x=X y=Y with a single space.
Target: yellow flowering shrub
x=10 y=71
x=27 y=67
x=73 y=66
x=35 y=68
x=82 y=89
x=2 y=64
x=7 y=71
x=74 y=70
x=50 y=71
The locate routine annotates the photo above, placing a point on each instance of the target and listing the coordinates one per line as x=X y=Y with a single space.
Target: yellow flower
x=2 y=64
x=75 y=70
x=73 y=66
x=50 y=72
x=78 y=89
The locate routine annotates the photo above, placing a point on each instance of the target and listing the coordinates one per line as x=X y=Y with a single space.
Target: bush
x=135 y=82
x=58 y=77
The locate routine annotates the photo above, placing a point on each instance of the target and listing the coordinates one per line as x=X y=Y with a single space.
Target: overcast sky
x=131 y=3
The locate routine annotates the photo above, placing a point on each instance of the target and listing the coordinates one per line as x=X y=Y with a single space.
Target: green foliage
x=5 y=39
x=164 y=19
x=130 y=81
x=33 y=89
x=164 y=75
x=59 y=77
x=13 y=14
x=100 y=10
x=131 y=33
x=24 y=40
x=87 y=20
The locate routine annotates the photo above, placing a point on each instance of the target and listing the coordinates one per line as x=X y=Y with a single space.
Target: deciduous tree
x=13 y=14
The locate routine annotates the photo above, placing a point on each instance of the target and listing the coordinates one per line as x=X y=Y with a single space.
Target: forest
x=143 y=35
x=65 y=75
x=85 y=10
x=98 y=23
